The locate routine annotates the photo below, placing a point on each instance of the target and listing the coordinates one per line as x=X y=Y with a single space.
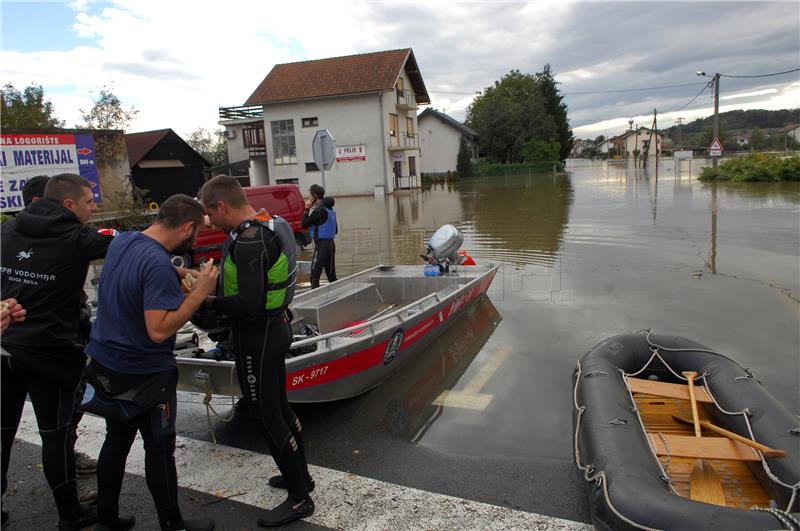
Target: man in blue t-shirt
x=140 y=309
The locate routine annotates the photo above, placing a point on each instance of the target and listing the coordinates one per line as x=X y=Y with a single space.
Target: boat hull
x=353 y=363
x=627 y=489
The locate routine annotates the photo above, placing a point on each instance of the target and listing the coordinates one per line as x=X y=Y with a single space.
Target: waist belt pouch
x=123 y=408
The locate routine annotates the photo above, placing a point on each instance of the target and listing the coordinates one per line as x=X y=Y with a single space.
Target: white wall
x=236 y=150
x=439 y=143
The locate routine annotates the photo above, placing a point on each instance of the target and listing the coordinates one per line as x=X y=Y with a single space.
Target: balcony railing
x=254 y=141
x=242 y=112
x=402 y=141
x=406 y=100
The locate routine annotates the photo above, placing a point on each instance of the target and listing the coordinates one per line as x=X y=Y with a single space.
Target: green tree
x=463 y=164
x=541 y=151
x=26 y=110
x=600 y=139
x=555 y=107
x=212 y=146
x=508 y=115
x=108 y=113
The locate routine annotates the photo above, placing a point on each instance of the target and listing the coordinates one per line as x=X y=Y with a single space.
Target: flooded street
x=485 y=412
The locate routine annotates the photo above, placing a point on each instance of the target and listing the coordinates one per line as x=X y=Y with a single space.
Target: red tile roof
x=336 y=76
x=140 y=144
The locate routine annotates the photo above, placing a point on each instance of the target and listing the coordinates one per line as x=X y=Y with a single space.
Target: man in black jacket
x=320 y=218
x=45 y=254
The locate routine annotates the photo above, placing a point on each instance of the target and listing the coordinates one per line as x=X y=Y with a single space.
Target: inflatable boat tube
x=629 y=488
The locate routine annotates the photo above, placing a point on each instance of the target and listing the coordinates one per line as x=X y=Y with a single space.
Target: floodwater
x=599 y=250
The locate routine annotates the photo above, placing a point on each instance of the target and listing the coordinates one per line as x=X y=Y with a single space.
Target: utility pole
x=679 y=121
x=715 y=160
x=715 y=82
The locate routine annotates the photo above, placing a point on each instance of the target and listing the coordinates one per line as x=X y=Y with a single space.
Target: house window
x=288 y=181
x=412 y=166
x=283 y=145
x=400 y=85
x=311 y=166
x=394 y=124
x=409 y=126
x=310 y=122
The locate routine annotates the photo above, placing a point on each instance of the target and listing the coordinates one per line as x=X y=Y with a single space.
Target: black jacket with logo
x=45 y=254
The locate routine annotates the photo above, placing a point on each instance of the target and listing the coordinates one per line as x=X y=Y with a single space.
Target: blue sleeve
x=161 y=288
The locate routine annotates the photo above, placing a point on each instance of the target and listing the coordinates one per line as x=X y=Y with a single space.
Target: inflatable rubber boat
x=669 y=434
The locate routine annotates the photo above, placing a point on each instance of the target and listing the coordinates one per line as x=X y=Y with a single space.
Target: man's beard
x=184 y=247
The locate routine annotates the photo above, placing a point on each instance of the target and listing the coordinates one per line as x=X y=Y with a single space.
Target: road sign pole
x=323 y=177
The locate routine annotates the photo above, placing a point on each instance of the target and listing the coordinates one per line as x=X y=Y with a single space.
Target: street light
x=715 y=82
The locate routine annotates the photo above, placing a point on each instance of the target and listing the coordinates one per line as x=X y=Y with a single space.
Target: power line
x=763 y=75
x=691 y=100
x=633 y=90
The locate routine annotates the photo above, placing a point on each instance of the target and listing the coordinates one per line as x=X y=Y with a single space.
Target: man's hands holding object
x=205 y=282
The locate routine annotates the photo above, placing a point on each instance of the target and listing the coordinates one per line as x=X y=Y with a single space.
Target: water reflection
x=410 y=408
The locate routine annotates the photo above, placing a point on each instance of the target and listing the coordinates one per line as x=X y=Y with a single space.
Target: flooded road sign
x=715 y=149
x=324 y=149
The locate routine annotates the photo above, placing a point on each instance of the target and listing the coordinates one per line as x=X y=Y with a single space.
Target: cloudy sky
x=178 y=61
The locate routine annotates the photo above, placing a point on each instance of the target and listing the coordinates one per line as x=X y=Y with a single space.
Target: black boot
x=122 y=523
x=84 y=516
x=288 y=511
x=280 y=483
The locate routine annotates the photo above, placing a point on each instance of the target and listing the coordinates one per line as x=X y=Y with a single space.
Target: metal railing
x=406 y=98
x=242 y=112
x=403 y=140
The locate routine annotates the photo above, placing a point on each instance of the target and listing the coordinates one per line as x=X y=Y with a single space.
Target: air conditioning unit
x=230 y=133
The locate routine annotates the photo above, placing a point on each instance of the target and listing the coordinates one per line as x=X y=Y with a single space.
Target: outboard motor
x=443 y=249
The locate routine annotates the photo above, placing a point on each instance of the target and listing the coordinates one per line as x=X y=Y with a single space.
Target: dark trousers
x=157 y=426
x=324 y=258
x=261 y=368
x=52 y=385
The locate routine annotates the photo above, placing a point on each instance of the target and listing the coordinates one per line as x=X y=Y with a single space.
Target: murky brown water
x=597 y=251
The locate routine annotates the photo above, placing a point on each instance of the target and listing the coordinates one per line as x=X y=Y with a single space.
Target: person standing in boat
x=320 y=218
x=255 y=288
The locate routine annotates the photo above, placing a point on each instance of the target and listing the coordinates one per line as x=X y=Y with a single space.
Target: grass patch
x=756 y=167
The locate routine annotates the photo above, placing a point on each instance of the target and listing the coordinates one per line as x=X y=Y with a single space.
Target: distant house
x=579 y=146
x=440 y=139
x=369 y=104
x=641 y=139
x=164 y=164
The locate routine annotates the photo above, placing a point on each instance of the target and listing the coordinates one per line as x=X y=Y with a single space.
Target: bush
x=537 y=151
x=494 y=168
x=755 y=167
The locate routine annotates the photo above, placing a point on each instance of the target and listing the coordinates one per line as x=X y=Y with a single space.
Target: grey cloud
x=669 y=41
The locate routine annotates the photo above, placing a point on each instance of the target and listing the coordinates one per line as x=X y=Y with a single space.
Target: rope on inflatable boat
x=590 y=473
x=745 y=413
x=599 y=478
x=787 y=520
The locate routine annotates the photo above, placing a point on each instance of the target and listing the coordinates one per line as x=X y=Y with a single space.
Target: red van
x=284 y=200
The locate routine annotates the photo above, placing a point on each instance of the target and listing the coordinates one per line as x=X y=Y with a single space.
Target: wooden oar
x=704 y=483
x=764 y=449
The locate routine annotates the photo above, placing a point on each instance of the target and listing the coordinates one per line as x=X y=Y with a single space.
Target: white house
x=369 y=104
x=440 y=139
x=642 y=139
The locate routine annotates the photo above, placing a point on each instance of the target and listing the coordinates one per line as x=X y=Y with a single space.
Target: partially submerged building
x=367 y=101
x=440 y=139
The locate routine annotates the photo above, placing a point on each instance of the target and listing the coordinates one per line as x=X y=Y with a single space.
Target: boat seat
x=332 y=311
x=702 y=447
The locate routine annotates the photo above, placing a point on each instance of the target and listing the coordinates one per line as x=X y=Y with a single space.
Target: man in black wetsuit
x=256 y=284
x=46 y=251
x=320 y=218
